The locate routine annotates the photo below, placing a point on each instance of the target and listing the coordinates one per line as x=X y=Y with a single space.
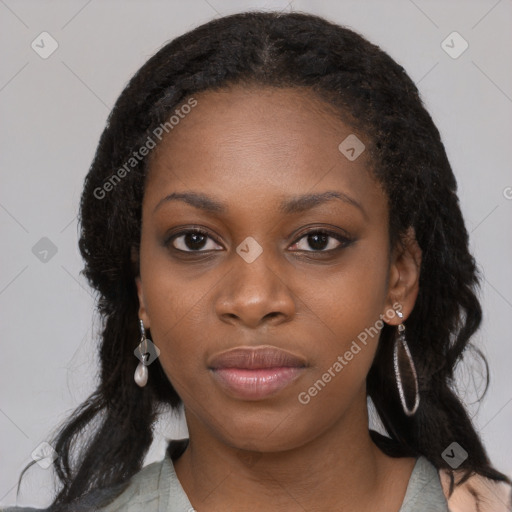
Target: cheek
x=347 y=310
x=351 y=297
x=175 y=323
x=173 y=293
x=178 y=304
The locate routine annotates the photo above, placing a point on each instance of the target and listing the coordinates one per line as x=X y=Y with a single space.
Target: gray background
x=53 y=111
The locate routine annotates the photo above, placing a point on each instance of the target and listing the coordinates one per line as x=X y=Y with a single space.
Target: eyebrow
x=294 y=204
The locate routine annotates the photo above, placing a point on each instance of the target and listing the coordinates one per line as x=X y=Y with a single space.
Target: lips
x=250 y=358
x=249 y=373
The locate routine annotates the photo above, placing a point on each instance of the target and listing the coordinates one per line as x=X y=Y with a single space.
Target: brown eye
x=192 y=240
x=321 y=241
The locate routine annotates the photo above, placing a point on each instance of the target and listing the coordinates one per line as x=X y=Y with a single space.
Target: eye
x=197 y=240
x=322 y=241
x=191 y=240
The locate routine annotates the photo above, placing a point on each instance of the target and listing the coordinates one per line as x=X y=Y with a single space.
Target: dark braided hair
x=108 y=436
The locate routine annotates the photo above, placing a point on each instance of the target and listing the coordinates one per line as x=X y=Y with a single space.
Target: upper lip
x=252 y=358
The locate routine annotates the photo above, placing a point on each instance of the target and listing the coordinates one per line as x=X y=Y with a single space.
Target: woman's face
x=263 y=176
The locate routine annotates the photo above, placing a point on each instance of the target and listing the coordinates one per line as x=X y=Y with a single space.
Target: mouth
x=250 y=373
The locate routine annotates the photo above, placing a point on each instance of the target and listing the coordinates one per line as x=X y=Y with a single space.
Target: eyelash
x=344 y=241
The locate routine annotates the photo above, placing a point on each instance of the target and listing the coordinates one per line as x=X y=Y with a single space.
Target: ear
x=404 y=276
x=140 y=292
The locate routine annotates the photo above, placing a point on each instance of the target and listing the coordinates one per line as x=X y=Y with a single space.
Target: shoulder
x=424 y=489
x=477 y=494
x=141 y=490
x=150 y=489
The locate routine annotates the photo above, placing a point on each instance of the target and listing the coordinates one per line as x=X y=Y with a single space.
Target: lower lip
x=255 y=384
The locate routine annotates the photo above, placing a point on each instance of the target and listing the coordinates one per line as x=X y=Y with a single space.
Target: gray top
x=156 y=488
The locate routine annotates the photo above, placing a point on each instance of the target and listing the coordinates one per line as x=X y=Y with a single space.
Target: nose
x=254 y=293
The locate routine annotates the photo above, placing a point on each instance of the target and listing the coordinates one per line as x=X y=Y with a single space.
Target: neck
x=340 y=469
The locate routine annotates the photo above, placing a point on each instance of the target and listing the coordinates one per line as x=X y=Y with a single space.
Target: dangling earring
x=401 y=339
x=141 y=372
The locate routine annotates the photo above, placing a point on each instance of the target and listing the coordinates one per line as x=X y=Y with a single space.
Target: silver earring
x=141 y=372
x=401 y=339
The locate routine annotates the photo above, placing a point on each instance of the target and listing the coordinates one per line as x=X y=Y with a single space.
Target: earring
x=141 y=372
x=401 y=339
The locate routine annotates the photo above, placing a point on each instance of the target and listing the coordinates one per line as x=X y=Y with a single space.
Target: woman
x=272 y=226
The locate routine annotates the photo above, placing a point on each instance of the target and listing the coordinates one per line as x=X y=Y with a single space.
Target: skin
x=251 y=148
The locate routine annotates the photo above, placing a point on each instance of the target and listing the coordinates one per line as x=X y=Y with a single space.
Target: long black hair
x=106 y=439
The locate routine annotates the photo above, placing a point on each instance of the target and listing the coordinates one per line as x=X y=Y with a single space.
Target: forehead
x=257 y=142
